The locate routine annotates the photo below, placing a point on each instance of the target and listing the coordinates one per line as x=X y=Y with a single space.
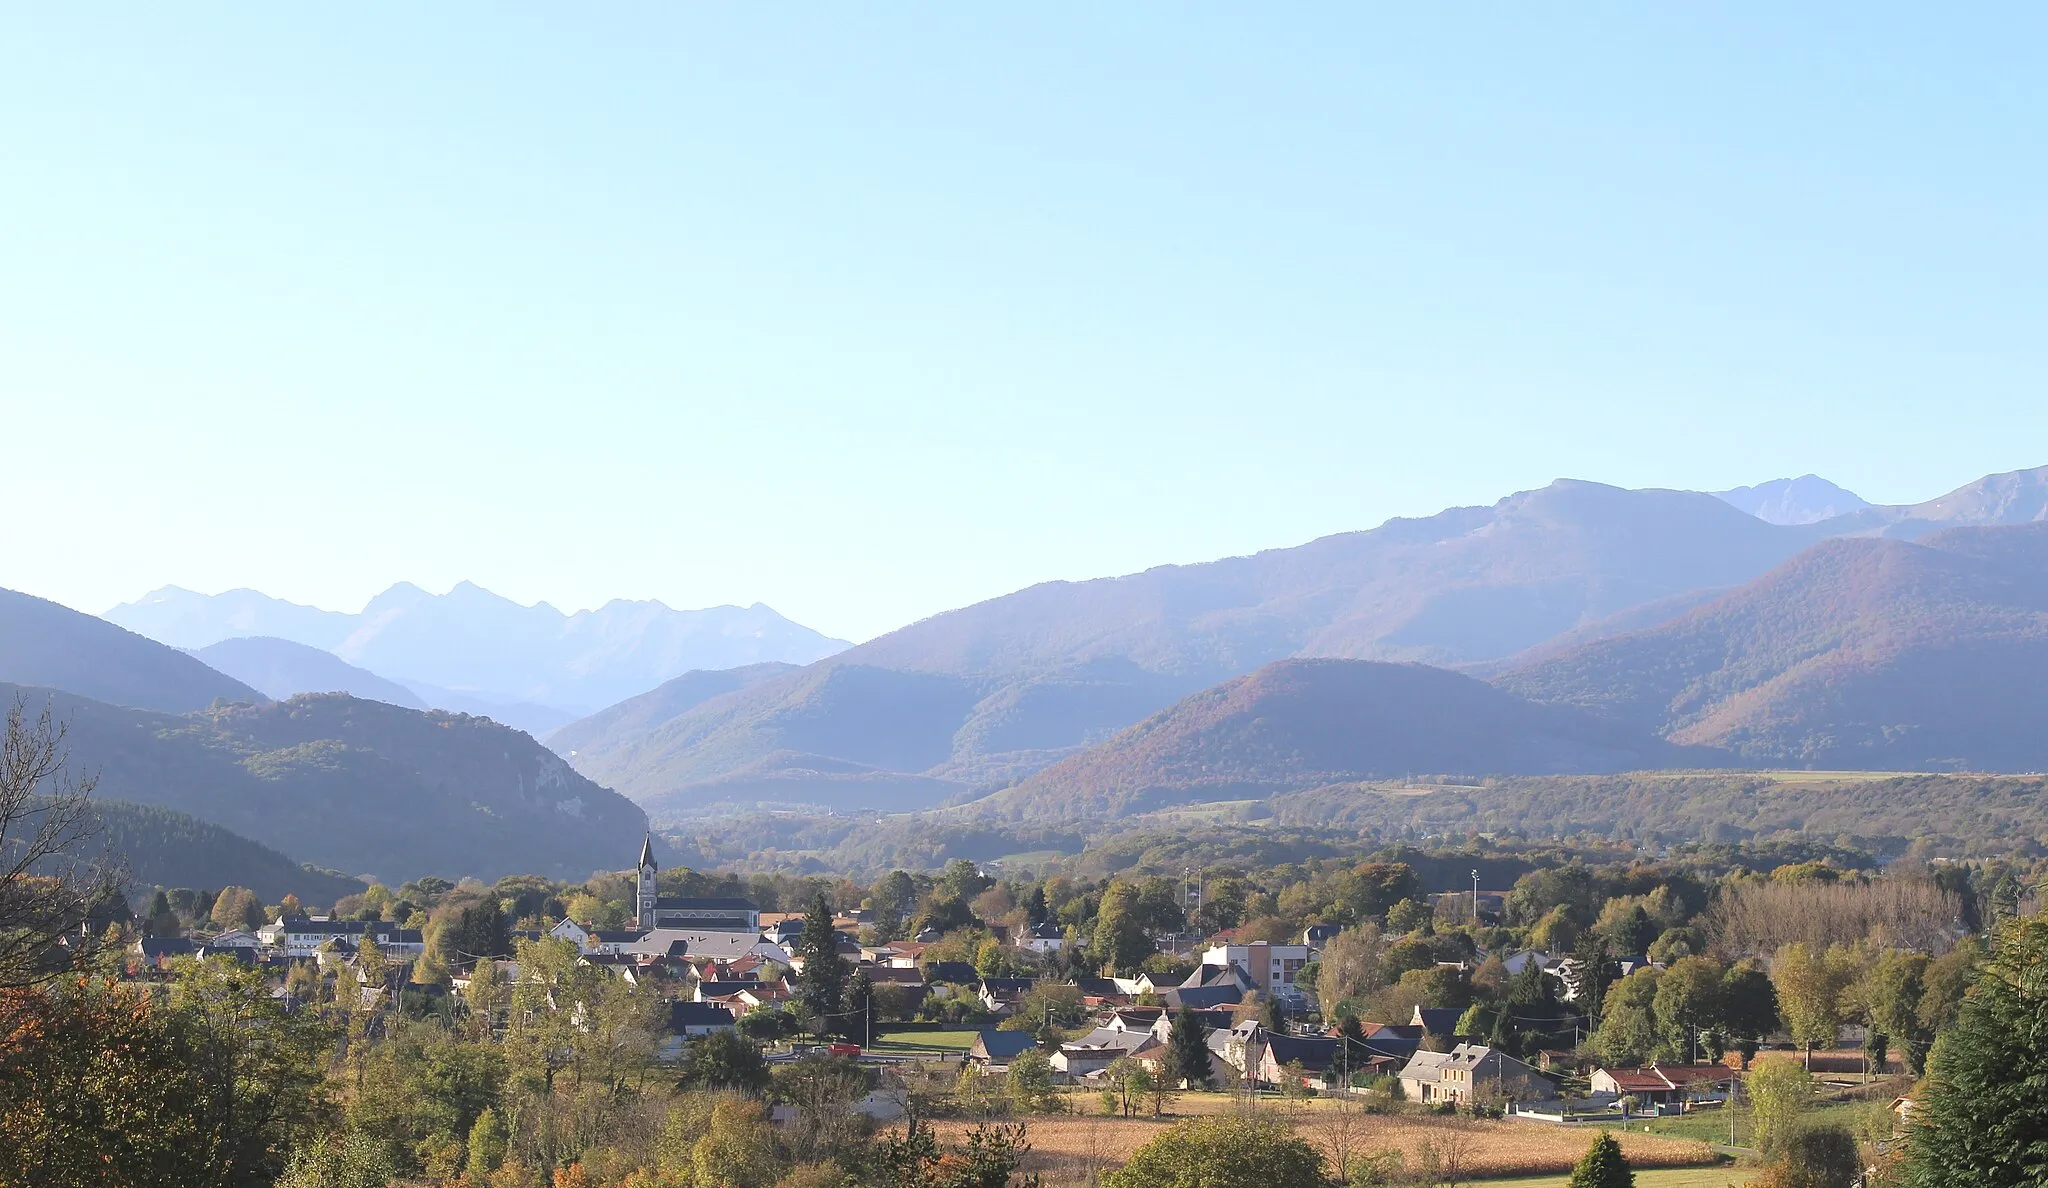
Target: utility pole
x=1475 y=896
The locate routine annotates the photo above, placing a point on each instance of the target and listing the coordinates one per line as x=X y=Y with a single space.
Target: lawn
x=924 y=1043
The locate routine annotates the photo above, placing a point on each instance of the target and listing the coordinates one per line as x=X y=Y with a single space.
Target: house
x=1043 y=939
x=654 y=911
x=957 y=972
x=1201 y=998
x=706 y=991
x=1078 y=1060
x=1312 y=1054
x=994 y=1049
x=698 y=943
x=1272 y=968
x=1000 y=995
x=1472 y=1072
x=158 y=952
x=688 y=1021
x=1436 y=1020
x=1661 y=1085
x=302 y=936
x=1315 y=936
x=235 y=939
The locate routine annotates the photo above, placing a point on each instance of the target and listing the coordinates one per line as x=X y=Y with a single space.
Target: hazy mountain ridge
x=1480 y=588
x=42 y=643
x=471 y=641
x=1877 y=653
x=1807 y=499
x=1299 y=724
x=280 y=668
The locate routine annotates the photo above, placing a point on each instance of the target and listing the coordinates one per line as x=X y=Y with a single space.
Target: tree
x=1749 y=1006
x=1809 y=996
x=1121 y=942
x=1187 y=1052
x=1687 y=1002
x=1890 y=994
x=486 y=1146
x=237 y=907
x=1780 y=1093
x=1222 y=1152
x=1817 y=1157
x=1125 y=1083
x=892 y=899
x=163 y=918
x=480 y=931
x=1350 y=966
x=1628 y=1021
x=1029 y=1083
x=723 y=1060
x=738 y=1151
x=1985 y=1106
x=1036 y=911
x=821 y=987
x=1603 y=1166
x=102 y=1083
x=46 y=890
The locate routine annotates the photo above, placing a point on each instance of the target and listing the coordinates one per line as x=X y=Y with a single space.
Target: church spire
x=647 y=851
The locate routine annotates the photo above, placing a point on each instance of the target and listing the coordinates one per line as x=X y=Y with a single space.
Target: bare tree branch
x=46 y=889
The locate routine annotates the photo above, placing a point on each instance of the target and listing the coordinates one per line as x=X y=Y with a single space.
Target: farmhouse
x=1472 y=1072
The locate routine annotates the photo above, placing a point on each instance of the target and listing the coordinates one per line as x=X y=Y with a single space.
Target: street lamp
x=1475 y=896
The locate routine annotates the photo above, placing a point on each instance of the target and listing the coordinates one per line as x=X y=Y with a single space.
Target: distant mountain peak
x=1807 y=499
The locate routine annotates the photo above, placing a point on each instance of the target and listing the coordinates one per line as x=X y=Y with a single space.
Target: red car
x=843 y=1049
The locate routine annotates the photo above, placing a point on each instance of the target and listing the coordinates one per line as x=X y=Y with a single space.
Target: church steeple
x=645 y=897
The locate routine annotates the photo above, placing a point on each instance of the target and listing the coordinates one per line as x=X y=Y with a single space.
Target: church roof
x=647 y=851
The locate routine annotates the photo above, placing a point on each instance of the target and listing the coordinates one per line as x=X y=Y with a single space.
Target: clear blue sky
x=871 y=311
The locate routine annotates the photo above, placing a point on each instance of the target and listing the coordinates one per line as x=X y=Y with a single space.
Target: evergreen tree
x=1273 y=1016
x=821 y=988
x=163 y=918
x=1603 y=1166
x=1035 y=909
x=1187 y=1051
x=1985 y=1108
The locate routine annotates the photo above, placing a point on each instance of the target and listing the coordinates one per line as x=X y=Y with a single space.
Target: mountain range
x=1300 y=724
x=472 y=644
x=1573 y=629
x=988 y=695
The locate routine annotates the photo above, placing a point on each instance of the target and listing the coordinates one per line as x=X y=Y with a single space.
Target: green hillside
x=356 y=785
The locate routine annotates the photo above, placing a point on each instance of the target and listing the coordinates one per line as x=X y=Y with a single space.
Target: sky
x=866 y=312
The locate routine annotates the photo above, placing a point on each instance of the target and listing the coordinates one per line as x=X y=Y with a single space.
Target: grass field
x=924 y=1043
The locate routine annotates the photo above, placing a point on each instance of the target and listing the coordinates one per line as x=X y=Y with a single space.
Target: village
x=1020 y=1012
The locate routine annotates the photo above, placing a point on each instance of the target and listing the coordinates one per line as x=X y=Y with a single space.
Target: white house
x=1043 y=939
x=1273 y=968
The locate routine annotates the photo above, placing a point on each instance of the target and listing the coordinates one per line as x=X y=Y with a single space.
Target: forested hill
x=42 y=643
x=358 y=786
x=1859 y=653
x=161 y=848
x=1300 y=724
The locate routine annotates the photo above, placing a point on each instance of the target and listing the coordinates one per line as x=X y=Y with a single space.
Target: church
x=653 y=911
